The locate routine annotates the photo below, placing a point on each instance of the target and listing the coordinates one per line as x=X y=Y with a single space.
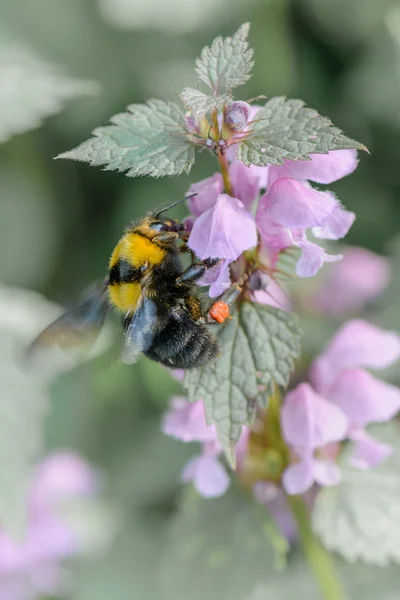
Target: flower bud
x=190 y=123
x=236 y=115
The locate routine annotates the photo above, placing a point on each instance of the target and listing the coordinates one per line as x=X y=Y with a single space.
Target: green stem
x=223 y=164
x=318 y=557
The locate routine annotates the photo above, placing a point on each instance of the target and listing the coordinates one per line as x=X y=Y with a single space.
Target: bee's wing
x=67 y=339
x=140 y=330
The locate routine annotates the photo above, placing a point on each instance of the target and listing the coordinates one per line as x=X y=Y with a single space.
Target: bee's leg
x=194 y=272
x=166 y=237
x=218 y=311
x=194 y=307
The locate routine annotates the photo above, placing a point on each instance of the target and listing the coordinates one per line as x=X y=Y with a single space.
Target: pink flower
x=359 y=278
x=310 y=422
x=207 y=192
x=223 y=231
x=218 y=278
x=187 y=422
x=290 y=206
x=33 y=567
x=336 y=374
x=207 y=474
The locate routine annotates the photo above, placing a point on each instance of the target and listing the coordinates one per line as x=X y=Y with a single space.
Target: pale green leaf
x=146 y=140
x=360 y=518
x=33 y=89
x=286 y=129
x=200 y=103
x=258 y=348
x=216 y=548
x=227 y=63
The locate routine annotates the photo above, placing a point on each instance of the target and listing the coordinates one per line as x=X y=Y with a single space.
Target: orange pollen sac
x=219 y=311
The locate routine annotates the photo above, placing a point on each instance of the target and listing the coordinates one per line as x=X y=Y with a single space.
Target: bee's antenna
x=174 y=204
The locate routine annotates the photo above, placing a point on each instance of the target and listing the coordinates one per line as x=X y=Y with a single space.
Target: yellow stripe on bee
x=125 y=296
x=137 y=250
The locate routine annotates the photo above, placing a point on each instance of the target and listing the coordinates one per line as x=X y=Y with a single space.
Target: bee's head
x=156 y=225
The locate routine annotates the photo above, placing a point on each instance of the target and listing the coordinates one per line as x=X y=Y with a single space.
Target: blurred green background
x=59 y=220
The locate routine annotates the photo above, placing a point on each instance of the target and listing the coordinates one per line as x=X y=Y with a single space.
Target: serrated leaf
x=360 y=518
x=33 y=89
x=227 y=63
x=216 y=548
x=200 y=103
x=258 y=348
x=286 y=129
x=146 y=140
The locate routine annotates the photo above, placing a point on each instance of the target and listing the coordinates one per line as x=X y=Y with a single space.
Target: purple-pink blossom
x=364 y=399
x=186 y=421
x=223 y=231
x=348 y=285
x=291 y=207
x=344 y=399
x=33 y=567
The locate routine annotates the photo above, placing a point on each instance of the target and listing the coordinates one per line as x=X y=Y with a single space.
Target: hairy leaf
x=200 y=103
x=32 y=89
x=258 y=348
x=227 y=63
x=360 y=518
x=217 y=548
x=286 y=129
x=146 y=140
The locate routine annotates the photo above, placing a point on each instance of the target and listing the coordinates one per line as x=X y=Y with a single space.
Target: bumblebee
x=162 y=314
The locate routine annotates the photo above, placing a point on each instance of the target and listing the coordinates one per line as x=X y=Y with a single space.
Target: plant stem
x=223 y=164
x=318 y=557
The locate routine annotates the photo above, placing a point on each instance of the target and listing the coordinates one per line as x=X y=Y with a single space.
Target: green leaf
x=258 y=348
x=286 y=129
x=200 y=103
x=32 y=89
x=227 y=63
x=216 y=548
x=146 y=140
x=360 y=517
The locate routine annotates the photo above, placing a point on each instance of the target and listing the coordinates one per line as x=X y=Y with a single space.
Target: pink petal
x=337 y=224
x=218 y=278
x=322 y=168
x=293 y=204
x=274 y=500
x=326 y=472
x=244 y=182
x=207 y=192
x=363 y=398
x=274 y=236
x=312 y=258
x=60 y=476
x=208 y=475
x=224 y=231
x=309 y=421
x=360 y=277
x=274 y=295
x=187 y=422
x=356 y=344
x=298 y=478
x=368 y=452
